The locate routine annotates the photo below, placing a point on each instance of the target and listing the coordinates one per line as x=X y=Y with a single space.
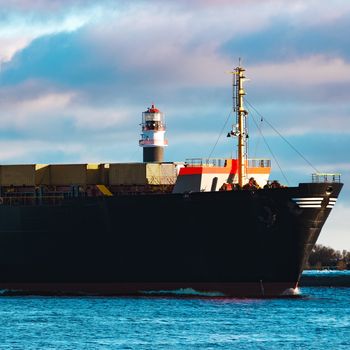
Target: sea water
x=318 y=319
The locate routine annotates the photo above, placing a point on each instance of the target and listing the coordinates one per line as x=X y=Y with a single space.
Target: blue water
x=331 y=273
x=319 y=319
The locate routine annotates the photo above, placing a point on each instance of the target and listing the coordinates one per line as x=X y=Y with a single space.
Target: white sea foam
x=292 y=291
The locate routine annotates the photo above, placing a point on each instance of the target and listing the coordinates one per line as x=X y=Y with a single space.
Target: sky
x=76 y=75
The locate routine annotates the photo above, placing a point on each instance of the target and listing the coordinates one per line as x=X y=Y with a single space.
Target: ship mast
x=240 y=129
x=241 y=121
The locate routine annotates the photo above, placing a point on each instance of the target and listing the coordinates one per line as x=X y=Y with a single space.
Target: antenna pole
x=241 y=115
x=240 y=129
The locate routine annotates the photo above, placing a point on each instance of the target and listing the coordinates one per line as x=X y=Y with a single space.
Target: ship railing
x=207 y=162
x=325 y=177
x=31 y=199
x=259 y=163
x=221 y=162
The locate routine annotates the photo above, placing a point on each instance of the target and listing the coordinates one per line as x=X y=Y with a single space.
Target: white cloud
x=47 y=107
x=29 y=149
x=102 y=118
x=45 y=6
x=18 y=30
x=31 y=110
x=315 y=12
x=309 y=71
x=181 y=44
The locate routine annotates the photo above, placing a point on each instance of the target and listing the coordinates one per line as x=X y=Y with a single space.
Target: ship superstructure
x=227 y=174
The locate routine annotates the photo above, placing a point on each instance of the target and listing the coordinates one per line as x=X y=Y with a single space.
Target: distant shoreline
x=325 y=278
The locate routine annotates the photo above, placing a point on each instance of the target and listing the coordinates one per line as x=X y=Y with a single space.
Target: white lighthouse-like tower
x=152 y=137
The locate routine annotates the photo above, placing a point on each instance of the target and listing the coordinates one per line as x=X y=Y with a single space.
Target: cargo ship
x=215 y=227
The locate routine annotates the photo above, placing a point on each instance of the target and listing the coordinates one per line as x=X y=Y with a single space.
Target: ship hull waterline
x=234 y=244
x=211 y=290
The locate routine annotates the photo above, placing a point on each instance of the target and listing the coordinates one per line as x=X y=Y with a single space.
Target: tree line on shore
x=323 y=257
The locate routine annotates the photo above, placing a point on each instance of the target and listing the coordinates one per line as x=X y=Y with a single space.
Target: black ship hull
x=236 y=243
